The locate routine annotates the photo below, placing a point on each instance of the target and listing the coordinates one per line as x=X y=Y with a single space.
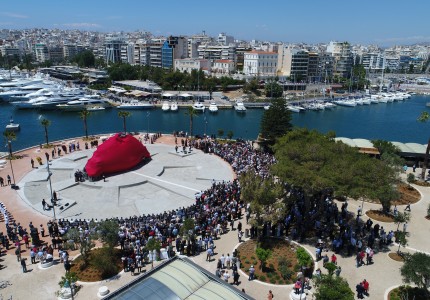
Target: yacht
x=30 y=103
x=12 y=126
x=213 y=108
x=240 y=107
x=82 y=104
x=293 y=108
x=266 y=107
x=134 y=104
x=166 y=106
x=174 y=106
x=329 y=105
x=95 y=108
x=199 y=107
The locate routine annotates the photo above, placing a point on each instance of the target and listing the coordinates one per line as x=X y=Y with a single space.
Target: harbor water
x=395 y=121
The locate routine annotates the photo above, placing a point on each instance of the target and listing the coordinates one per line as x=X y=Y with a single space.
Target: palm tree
x=191 y=113
x=123 y=115
x=424 y=117
x=84 y=115
x=45 y=123
x=9 y=137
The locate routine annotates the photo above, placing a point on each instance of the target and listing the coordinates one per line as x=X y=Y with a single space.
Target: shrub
x=303 y=257
x=286 y=273
x=103 y=263
x=411 y=178
x=273 y=281
x=262 y=278
x=271 y=266
x=263 y=255
x=247 y=262
x=270 y=275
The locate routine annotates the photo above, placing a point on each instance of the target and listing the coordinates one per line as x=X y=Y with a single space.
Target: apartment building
x=260 y=63
x=41 y=52
x=189 y=64
x=293 y=62
x=215 y=52
x=173 y=48
x=341 y=52
x=223 y=67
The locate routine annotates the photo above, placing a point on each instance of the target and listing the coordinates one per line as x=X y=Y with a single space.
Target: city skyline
x=384 y=22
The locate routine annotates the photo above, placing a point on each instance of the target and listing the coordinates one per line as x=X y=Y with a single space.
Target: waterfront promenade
x=42 y=284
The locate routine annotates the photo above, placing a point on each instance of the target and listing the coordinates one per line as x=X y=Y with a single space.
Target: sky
x=381 y=22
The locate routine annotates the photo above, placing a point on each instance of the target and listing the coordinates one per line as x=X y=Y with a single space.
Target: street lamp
x=50 y=187
x=9 y=142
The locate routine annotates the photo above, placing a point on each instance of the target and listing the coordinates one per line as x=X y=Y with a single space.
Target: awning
x=167 y=95
x=185 y=95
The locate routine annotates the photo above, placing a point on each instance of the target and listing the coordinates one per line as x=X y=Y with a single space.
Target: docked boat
x=83 y=103
x=12 y=126
x=95 y=108
x=266 y=107
x=240 y=107
x=199 y=107
x=174 y=106
x=134 y=104
x=165 y=106
x=293 y=108
x=213 y=108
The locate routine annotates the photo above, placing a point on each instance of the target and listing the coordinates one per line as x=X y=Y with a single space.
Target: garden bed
x=91 y=273
x=408 y=195
x=271 y=274
x=380 y=216
x=395 y=256
x=413 y=293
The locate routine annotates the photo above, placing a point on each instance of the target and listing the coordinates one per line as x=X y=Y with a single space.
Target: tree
x=315 y=163
x=264 y=196
x=108 y=233
x=273 y=90
x=151 y=245
x=276 y=121
x=46 y=123
x=410 y=179
x=400 y=218
x=191 y=113
x=9 y=137
x=230 y=134
x=85 y=59
x=123 y=115
x=416 y=269
x=389 y=153
x=187 y=227
x=263 y=255
x=330 y=288
x=401 y=238
x=84 y=115
x=331 y=267
x=424 y=117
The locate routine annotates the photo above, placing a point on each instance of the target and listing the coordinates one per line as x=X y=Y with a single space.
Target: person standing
x=9 y=182
x=236 y=277
x=23 y=265
x=251 y=273
x=32 y=163
x=270 y=295
x=44 y=204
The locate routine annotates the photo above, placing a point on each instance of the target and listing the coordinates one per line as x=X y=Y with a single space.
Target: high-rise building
x=341 y=52
x=173 y=48
x=293 y=62
x=224 y=39
x=41 y=52
x=113 y=47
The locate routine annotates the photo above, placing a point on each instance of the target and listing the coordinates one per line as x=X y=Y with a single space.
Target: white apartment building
x=214 y=52
x=341 y=52
x=189 y=64
x=260 y=63
x=225 y=39
x=223 y=67
x=41 y=52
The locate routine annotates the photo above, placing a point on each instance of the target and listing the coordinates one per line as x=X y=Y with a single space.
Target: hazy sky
x=383 y=22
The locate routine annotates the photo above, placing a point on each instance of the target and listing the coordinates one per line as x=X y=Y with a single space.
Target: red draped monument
x=117 y=154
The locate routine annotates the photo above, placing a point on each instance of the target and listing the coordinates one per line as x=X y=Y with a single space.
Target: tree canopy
x=416 y=269
x=333 y=288
x=276 y=121
x=273 y=90
x=85 y=59
x=314 y=162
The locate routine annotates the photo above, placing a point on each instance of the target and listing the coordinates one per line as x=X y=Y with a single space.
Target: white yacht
x=240 y=107
x=199 y=107
x=266 y=107
x=134 y=104
x=174 y=106
x=83 y=103
x=30 y=103
x=293 y=108
x=213 y=108
x=12 y=126
x=165 y=106
x=95 y=108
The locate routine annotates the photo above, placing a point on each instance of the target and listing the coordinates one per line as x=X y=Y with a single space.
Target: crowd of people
x=218 y=210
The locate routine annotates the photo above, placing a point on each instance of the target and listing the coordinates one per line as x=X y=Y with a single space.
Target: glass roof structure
x=178 y=279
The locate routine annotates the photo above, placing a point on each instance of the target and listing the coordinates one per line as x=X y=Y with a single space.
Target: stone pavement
x=42 y=284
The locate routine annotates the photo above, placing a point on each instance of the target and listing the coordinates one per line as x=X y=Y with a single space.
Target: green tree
x=276 y=121
x=108 y=233
x=264 y=196
x=252 y=87
x=124 y=115
x=273 y=90
x=389 y=153
x=333 y=288
x=331 y=267
x=314 y=162
x=46 y=123
x=263 y=255
x=85 y=59
x=187 y=227
x=410 y=179
x=191 y=113
x=84 y=116
x=401 y=238
x=424 y=117
x=230 y=134
x=416 y=269
x=400 y=218
x=151 y=245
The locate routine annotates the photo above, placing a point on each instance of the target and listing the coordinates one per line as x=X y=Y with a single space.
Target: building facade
x=260 y=63
x=342 y=55
x=189 y=64
x=223 y=67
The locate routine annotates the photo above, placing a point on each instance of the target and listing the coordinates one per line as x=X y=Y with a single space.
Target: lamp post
x=50 y=188
x=9 y=142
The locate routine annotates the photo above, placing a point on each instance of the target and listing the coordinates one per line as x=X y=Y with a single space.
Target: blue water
x=389 y=121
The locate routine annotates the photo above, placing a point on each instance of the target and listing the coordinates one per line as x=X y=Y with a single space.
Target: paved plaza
x=170 y=180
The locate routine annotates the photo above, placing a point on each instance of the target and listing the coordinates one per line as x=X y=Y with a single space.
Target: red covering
x=119 y=153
